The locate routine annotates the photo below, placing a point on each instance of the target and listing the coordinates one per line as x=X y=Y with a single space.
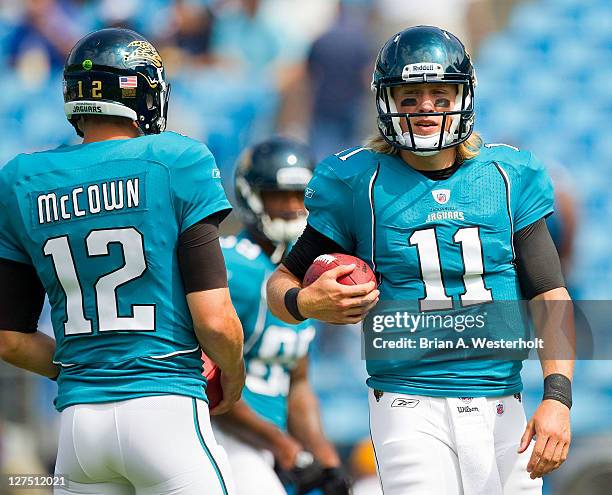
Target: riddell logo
x=422 y=70
x=423 y=67
x=431 y=68
x=467 y=409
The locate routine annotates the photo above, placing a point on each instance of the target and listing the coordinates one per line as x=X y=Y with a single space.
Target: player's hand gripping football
x=231 y=385
x=551 y=426
x=328 y=300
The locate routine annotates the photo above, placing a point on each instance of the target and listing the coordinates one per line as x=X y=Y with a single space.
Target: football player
x=277 y=418
x=448 y=223
x=121 y=233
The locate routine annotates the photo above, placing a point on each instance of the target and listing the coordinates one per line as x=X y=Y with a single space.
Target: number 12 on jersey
x=430 y=263
x=97 y=242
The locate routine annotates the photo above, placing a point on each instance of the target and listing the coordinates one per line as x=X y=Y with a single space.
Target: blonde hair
x=465 y=151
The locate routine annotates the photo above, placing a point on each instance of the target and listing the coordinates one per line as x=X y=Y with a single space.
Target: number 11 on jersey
x=430 y=263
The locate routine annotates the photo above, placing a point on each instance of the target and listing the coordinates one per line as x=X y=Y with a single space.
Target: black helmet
x=424 y=54
x=116 y=72
x=276 y=164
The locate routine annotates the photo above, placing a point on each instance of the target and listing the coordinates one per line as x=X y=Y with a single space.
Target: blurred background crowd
x=241 y=70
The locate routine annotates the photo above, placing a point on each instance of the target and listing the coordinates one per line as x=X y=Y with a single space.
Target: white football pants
x=430 y=445
x=253 y=468
x=161 y=445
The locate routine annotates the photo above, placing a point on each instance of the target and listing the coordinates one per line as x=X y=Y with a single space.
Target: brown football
x=362 y=273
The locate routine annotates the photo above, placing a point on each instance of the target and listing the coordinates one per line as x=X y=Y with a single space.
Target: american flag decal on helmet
x=128 y=82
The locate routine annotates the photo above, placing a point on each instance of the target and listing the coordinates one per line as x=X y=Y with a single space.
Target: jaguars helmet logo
x=142 y=51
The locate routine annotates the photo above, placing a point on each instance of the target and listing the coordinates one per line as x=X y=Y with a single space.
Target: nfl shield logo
x=500 y=408
x=441 y=196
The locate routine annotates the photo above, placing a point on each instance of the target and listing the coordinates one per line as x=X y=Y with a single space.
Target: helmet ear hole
x=79 y=123
x=149 y=101
x=386 y=125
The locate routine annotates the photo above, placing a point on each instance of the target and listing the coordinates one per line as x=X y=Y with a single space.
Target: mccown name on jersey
x=93 y=199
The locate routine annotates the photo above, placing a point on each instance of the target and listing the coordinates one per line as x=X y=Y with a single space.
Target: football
x=214 y=392
x=362 y=273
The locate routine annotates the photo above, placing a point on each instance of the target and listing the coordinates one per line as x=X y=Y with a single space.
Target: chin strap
x=277 y=256
x=425 y=142
x=282 y=233
x=281 y=230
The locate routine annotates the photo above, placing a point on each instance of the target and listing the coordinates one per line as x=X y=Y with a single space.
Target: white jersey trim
x=64 y=365
x=164 y=356
x=508 y=205
x=261 y=319
x=371 y=197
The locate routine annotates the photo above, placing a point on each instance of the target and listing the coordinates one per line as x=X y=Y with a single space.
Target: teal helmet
x=274 y=164
x=424 y=54
x=116 y=72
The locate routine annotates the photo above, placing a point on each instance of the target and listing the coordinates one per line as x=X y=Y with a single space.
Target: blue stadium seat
x=534 y=21
x=499 y=47
x=10 y=142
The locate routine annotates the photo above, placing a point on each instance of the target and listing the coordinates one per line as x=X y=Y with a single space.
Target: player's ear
x=81 y=123
x=137 y=127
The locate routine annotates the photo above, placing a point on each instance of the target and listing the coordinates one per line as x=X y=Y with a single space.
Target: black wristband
x=292 y=305
x=558 y=387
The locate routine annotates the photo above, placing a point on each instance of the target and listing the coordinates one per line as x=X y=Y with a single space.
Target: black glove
x=307 y=474
x=337 y=482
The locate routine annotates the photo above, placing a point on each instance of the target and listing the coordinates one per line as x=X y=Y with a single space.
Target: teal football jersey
x=443 y=245
x=271 y=346
x=100 y=223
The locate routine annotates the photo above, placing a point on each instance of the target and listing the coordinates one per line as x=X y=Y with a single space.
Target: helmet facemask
x=270 y=178
x=461 y=116
x=281 y=232
x=153 y=114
